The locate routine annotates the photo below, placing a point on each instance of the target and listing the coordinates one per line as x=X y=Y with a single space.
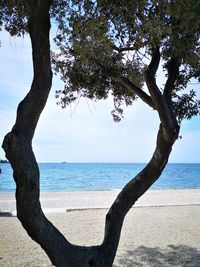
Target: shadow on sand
x=173 y=255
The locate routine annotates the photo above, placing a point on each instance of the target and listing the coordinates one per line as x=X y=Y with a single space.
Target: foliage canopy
x=99 y=43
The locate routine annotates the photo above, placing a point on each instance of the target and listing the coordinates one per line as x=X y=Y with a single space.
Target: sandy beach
x=161 y=230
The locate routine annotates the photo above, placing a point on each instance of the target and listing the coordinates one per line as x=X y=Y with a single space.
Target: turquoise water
x=102 y=176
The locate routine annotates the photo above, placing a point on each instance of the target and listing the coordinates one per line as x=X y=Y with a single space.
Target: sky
x=85 y=131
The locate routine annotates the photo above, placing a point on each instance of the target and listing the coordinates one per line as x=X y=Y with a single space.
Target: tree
x=105 y=47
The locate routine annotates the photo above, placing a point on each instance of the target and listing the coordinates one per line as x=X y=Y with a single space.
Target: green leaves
x=13 y=16
x=186 y=106
x=89 y=56
x=99 y=40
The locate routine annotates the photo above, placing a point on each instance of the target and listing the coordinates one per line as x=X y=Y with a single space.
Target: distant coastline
x=4 y=161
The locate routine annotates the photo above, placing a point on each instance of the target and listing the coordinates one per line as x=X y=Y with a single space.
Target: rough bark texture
x=18 y=143
x=18 y=147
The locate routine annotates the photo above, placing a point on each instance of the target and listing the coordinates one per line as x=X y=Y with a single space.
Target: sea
x=102 y=176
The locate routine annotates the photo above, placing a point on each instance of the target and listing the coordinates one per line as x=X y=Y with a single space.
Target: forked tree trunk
x=18 y=147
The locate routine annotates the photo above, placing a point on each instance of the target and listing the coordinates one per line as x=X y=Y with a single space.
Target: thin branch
x=124 y=49
x=129 y=48
x=134 y=88
x=143 y=55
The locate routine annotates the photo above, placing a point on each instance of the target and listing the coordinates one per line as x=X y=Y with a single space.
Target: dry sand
x=162 y=230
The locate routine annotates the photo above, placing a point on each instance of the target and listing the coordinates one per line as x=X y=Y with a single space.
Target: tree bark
x=129 y=195
x=18 y=147
x=18 y=143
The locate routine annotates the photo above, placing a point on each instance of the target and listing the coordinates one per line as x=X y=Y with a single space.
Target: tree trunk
x=18 y=147
x=18 y=143
x=130 y=194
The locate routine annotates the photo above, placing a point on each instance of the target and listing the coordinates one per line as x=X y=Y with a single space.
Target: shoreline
x=162 y=228
x=167 y=236
x=59 y=202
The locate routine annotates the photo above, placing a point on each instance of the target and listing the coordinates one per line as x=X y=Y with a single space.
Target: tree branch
x=132 y=191
x=134 y=88
x=159 y=101
x=155 y=61
x=18 y=143
x=129 y=48
x=173 y=72
x=124 y=49
x=26 y=120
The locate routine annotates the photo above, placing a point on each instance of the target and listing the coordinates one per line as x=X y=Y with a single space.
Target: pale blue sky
x=84 y=132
